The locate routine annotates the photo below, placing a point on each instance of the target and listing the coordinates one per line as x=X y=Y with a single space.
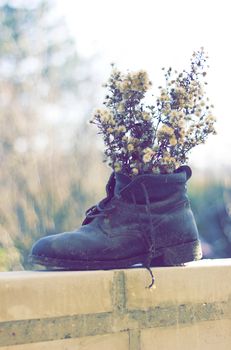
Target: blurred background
x=54 y=57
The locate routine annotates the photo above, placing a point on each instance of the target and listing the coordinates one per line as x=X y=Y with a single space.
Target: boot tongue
x=121 y=182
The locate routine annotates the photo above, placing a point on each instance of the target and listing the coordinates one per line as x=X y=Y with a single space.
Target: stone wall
x=189 y=308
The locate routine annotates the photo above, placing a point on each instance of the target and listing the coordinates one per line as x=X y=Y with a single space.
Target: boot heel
x=182 y=253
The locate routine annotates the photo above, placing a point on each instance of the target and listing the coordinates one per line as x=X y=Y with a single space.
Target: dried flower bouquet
x=144 y=139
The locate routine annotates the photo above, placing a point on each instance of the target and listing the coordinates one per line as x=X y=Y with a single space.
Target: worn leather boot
x=146 y=220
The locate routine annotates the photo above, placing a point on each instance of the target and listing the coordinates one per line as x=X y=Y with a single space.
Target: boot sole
x=167 y=256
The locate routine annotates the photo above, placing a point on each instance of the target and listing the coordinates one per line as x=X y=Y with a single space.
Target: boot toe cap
x=42 y=248
x=57 y=250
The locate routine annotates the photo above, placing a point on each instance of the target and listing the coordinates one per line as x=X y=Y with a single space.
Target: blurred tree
x=211 y=203
x=42 y=187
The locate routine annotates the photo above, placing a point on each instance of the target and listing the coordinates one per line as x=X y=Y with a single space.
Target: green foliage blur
x=211 y=204
x=50 y=175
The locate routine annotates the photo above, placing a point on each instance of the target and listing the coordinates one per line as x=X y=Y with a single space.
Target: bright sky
x=150 y=34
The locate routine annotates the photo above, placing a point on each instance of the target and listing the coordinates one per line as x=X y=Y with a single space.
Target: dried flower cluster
x=155 y=138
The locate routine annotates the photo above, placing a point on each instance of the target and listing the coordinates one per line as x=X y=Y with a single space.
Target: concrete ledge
x=32 y=295
x=189 y=308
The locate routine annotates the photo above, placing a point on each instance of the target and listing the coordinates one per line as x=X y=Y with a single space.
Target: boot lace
x=149 y=235
x=97 y=211
x=101 y=209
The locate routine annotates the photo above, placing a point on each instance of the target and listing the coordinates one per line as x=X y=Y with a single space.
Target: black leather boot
x=146 y=220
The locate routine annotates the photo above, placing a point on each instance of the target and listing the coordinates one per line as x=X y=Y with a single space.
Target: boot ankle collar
x=158 y=186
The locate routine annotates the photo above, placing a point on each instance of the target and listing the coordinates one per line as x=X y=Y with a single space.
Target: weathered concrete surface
x=213 y=335
x=32 y=295
x=114 y=309
x=114 y=341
